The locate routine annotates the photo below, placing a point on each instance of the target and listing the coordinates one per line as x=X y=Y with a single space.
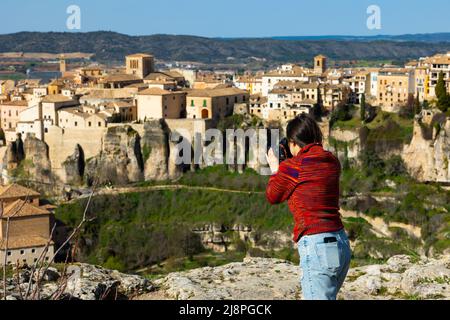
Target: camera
x=284 y=151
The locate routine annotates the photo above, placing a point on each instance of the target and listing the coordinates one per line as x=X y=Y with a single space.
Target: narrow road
x=122 y=190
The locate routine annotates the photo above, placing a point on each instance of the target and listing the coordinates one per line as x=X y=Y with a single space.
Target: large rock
x=155 y=150
x=120 y=160
x=427 y=157
x=74 y=166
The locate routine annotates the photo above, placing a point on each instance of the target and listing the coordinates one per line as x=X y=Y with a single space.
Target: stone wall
x=63 y=142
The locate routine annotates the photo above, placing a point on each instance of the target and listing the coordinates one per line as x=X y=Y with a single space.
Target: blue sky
x=230 y=18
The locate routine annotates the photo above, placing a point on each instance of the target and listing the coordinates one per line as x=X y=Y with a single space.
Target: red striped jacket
x=310 y=184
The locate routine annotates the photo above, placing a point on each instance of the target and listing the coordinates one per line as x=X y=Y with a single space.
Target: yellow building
x=55 y=87
x=394 y=87
x=214 y=103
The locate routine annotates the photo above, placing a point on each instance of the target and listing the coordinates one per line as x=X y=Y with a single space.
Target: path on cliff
x=170 y=187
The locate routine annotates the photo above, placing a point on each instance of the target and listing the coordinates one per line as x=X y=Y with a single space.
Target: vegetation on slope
x=110 y=46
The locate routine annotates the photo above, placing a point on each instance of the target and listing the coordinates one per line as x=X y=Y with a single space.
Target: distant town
x=74 y=110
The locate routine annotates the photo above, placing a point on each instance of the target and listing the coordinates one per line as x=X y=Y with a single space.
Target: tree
x=417 y=105
x=363 y=107
x=407 y=111
x=441 y=93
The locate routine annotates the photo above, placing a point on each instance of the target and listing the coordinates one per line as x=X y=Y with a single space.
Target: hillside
x=110 y=46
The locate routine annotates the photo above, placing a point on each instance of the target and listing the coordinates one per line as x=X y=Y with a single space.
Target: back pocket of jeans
x=328 y=255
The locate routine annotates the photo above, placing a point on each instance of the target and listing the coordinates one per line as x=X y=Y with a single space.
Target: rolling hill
x=111 y=46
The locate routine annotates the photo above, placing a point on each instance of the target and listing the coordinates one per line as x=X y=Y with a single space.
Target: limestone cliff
x=155 y=150
x=119 y=161
x=427 y=156
x=28 y=160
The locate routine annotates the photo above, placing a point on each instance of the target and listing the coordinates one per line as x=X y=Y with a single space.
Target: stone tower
x=140 y=64
x=62 y=64
x=320 y=64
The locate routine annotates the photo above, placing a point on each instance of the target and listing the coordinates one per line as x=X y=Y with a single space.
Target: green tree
x=417 y=105
x=441 y=93
x=363 y=107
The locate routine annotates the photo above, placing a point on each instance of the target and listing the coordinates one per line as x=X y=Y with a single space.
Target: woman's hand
x=273 y=161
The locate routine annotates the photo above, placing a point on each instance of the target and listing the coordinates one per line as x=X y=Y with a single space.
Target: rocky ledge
x=261 y=278
x=253 y=279
x=79 y=281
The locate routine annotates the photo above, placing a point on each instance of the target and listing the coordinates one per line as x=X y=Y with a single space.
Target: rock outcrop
x=427 y=156
x=74 y=166
x=36 y=154
x=80 y=281
x=120 y=160
x=155 y=150
x=261 y=278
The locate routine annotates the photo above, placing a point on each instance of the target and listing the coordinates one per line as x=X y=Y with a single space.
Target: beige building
x=252 y=84
x=10 y=114
x=156 y=103
x=120 y=111
x=394 y=87
x=140 y=65
x=214 y=103
x=435 y=65
x=77 y=118
x=332 y=94
x=29 y=226
x=359 y=84
x=50 y=106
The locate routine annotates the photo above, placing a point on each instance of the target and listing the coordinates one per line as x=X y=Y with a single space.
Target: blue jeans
x=324 y=265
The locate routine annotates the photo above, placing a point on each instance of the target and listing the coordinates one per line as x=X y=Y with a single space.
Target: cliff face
x=125 y=156
x=427 y=156
x=29 y=159
x=155 y=151
x=129 y=156
x=119 y=161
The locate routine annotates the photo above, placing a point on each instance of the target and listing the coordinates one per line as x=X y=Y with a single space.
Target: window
x=33 y=250
x=76 y=123
x=205 y=104
x=22 y=252
x=99 y=124
x=192 y=103
x=89 y=124
x=9 y=253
